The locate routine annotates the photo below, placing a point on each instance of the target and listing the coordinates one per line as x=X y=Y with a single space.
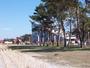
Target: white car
x=73 y=40
x=8 y=42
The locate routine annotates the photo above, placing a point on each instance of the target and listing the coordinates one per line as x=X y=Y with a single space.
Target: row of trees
x=50 y=12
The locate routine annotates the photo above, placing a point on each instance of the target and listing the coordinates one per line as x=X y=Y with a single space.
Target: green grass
x=46 y=48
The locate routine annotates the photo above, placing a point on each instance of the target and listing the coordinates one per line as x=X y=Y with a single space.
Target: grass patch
x=46 y=48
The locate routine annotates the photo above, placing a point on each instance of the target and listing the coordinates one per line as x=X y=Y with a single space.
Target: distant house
x=8 y=41
x=27 y=38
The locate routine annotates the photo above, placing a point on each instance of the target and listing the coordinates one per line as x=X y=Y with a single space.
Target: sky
x=14 y=17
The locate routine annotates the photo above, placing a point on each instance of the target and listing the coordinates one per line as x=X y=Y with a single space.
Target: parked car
x=74 y=40
x=8 y=41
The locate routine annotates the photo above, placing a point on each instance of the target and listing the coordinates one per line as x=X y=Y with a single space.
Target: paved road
x=15 y=59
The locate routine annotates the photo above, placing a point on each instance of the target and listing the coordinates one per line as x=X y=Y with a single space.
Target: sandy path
x=15 y=59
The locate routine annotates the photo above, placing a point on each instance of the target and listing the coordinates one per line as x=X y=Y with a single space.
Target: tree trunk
x=81 y=43
x=62 y=25
x=38 y=39
x=52 y=36
x=43 y=38
x=77 y=25
x=41 y=41
x=48 y=39
x=70 y=34
x=57 y=40
x=58 y=34
x=64 y=39
x=70 y=23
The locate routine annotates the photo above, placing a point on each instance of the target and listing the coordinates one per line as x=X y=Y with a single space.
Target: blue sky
x=14 y=17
